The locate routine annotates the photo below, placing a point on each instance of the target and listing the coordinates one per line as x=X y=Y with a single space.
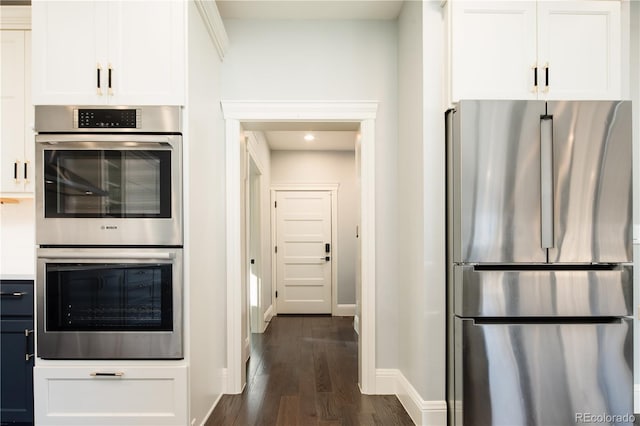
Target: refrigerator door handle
x=546 y=180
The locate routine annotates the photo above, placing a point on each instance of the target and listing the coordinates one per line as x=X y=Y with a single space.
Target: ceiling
x=309 y=9
x=288 y=136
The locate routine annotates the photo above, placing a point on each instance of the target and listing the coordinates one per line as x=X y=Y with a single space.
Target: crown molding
x=312 y=111
x=215 y=27
x=15 y=17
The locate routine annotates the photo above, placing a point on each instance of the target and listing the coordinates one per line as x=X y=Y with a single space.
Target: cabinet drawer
x=111 y=395
x=16 y=298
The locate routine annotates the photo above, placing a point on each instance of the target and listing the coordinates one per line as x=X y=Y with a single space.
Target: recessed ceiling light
x=309 y=137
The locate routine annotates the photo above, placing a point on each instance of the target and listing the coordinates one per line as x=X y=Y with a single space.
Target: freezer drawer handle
x=547 y=320
x=106 y=374
x=546 y=180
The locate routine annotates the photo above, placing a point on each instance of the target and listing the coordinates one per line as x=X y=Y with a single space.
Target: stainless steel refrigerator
x=539 y=257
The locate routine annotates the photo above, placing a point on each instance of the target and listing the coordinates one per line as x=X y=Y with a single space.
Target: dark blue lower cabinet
x=16 y=371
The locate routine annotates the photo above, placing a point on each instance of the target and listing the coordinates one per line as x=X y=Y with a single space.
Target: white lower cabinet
x=110 y=395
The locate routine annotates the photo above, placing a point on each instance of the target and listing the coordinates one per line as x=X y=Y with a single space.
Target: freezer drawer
x=542 y=374
x=488 y=291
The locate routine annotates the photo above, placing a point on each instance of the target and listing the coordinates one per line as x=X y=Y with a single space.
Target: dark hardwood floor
x=304 y=371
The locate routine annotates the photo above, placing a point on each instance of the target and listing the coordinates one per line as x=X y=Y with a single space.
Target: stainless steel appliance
x=539 y=263
x=108 y=175
x=108 y=303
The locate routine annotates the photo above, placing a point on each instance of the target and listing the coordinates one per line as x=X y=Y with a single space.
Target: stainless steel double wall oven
x=109 y=230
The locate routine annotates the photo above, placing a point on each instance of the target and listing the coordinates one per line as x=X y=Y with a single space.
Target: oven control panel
x=107 y=118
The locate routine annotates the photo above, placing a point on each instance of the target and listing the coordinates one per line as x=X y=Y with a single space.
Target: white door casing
x=303 y=267
x=363 y=112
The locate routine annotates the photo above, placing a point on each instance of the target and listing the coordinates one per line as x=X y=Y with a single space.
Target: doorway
x=363 y=113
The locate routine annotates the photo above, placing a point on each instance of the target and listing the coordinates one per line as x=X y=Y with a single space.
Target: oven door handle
x=106 y=256
x=129 y=141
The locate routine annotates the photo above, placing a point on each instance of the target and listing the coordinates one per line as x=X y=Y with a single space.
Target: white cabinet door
x=493 y=50
x=69 y=45
x=147 y=53
x=580 y=42
x=110 y=395
x=117 y=52
x=575 y=47
x=16 y=142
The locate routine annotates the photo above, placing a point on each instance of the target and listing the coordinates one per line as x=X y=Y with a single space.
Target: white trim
x=246 y=350
x=234 y=259
x=213 y=407
x=268 y=314
x=422 y=412
x=386 y=381
x=344 y=310
x=332 y=188
x=224 y=378
x=215 y=27
x=251 y=111
x=636 y=398
x=367 y=342
x=363 y=112
x=15 y=18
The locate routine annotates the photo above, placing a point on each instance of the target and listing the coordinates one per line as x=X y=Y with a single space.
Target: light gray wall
x=421 y=198
x=18 y=239
x=328 y=167
x=205 y=258
x=332 y=60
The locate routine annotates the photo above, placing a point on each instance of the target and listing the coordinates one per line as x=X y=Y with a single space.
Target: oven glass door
x=109 y=297
x=107 y=183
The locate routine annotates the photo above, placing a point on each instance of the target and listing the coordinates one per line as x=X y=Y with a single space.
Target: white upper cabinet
x=579 y=47
x=535 y=50
x=493 y=50
x=115 y=52
x=16 y=136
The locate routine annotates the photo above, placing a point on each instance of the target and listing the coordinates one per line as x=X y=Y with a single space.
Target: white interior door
x=303 y=263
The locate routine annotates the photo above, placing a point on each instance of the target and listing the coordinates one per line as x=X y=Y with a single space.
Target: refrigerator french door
x=539 y=263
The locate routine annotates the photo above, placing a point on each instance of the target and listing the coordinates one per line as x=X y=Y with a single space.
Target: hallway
x=303 y=371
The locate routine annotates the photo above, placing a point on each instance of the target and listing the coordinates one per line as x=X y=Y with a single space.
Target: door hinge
x=276 y=249
x=276 y=294
x=275 y=204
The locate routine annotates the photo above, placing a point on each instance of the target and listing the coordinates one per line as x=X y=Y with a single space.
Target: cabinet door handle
x=110 y=87
x=98 y=69
x=106 y=374
x=26 y=171
x=534 y=67
x=27 y=355
x=546 y=77
x=16 y=294
x=16 y=165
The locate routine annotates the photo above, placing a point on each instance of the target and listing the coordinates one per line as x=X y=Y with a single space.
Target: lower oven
x=109 y=303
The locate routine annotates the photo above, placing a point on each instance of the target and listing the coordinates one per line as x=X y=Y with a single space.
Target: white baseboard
x=268 y=314
x=345 y=310
x=246 y=350
x=213 y=407
x=423 y=413
x=636 y=398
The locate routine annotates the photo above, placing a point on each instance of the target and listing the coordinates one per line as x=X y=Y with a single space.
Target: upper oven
x=108 y=176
